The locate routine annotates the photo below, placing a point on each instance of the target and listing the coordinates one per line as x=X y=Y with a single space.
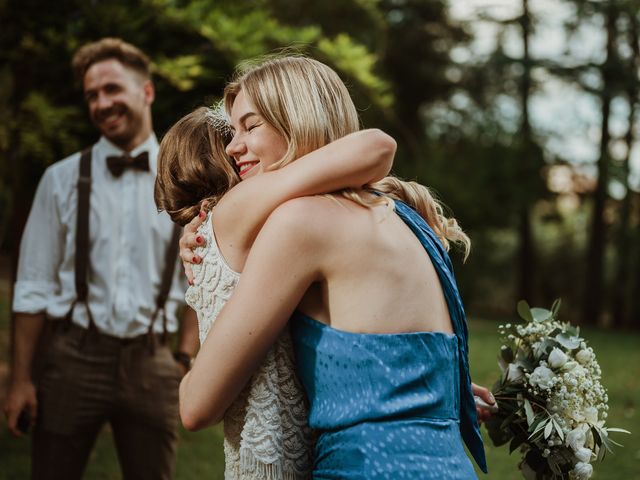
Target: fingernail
x=194 y=259
x=492 y=398
x=202 y=214
x=198 y=239
x=190 y=282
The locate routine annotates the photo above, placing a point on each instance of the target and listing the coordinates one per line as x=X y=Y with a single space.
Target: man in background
x=97 y=260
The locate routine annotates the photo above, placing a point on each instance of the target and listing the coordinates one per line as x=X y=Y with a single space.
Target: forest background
x=552 y=212
x=522 y=115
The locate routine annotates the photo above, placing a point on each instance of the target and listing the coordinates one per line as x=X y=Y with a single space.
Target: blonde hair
x=309 y=105
x=192 y=166
x=302 y=99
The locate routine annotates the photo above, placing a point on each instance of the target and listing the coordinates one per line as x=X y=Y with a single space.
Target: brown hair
x=106 y=49
x=192 y=167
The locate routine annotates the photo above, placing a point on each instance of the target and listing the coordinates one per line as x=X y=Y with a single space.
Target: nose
x=103 y=101
x=235 y=147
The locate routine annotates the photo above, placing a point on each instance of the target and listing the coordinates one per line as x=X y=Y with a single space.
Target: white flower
x=542 y=377
x=584 y=356
x=557 y=358
x=591 y=414
x=514 y=373
x=576 y=438
x=569 y=366
x=583 y=455
x=583 y=471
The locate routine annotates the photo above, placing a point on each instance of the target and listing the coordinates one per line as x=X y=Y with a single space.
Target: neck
x=137 y=140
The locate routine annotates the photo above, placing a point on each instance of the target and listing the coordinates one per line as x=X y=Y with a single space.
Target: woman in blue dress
x=364 y=276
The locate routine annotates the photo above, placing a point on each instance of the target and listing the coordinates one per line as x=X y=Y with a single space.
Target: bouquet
x=551 y=402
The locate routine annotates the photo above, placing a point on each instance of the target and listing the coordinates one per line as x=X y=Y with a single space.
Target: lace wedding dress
x=266 y=435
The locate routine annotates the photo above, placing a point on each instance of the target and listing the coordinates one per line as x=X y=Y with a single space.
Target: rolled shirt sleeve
x=41 y=251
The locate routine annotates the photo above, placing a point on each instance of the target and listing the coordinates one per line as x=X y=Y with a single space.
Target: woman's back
x=387 y=381
x=378 y=278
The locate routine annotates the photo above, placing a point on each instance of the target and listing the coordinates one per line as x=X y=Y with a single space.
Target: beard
x=128 y=124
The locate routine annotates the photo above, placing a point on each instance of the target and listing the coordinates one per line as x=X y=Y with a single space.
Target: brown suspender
x=165 y=285
x=82 y=254
x=82 y=238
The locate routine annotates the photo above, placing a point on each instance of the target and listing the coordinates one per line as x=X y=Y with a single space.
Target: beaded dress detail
x=266 y=434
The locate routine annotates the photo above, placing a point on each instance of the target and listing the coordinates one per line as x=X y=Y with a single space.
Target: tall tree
x=528 y=163
x=621 y=290
x=594 y=288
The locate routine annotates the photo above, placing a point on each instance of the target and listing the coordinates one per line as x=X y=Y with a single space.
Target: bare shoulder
x=310 y=219
x=306 y=211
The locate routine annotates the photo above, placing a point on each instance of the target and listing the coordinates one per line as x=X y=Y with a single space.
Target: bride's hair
x=309 y=105
x=193 y=166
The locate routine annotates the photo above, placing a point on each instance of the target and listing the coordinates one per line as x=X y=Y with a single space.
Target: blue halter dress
x=391 y=405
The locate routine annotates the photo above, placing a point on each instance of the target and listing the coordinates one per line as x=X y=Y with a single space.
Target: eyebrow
x=244 y=117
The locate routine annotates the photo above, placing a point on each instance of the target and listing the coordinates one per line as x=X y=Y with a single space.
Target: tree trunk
x=526 y=254
x=593 y=293
x=620 y=297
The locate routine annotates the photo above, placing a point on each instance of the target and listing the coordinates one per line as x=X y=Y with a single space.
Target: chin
x=119 y=138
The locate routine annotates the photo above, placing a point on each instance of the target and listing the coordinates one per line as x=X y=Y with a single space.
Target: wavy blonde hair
x=309 y=105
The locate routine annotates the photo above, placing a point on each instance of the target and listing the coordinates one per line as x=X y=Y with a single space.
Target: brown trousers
x=84 y=385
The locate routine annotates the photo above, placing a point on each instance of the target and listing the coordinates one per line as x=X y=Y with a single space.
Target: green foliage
x=181 y=72
x=358 y=63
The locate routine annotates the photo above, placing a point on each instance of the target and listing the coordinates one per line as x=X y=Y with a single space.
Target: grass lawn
x=200 y=454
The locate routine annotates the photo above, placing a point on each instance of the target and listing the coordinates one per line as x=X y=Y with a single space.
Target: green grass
x=200 y=454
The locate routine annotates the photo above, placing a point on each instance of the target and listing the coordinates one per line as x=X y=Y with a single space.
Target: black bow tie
x=117 y=165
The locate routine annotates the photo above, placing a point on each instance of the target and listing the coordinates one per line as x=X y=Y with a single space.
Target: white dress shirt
x=128 y=239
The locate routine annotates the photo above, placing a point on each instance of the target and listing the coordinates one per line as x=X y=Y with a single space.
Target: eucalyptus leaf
x=539 y=427
x=620 y=430
x=548 y=429
x=555 y=307
x=558 y=429
x=524 y=311
x=540 y=314
x=529 y=411
x=607 y=443
x=568 y=341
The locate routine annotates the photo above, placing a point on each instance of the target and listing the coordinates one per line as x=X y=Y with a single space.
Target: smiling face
x=255 y=145
x=119 y=101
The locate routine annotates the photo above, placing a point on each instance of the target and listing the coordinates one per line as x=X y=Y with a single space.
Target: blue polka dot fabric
x=390 y=405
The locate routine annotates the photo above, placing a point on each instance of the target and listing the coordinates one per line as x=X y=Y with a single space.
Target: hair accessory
x=218 y=118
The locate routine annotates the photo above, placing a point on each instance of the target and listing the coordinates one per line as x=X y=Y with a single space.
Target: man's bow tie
x=117 y=165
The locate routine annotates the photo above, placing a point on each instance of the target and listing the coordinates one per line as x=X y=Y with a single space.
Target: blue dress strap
x=442 y=263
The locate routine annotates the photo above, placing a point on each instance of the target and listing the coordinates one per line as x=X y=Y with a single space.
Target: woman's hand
x=189 y=240
x=485 y=403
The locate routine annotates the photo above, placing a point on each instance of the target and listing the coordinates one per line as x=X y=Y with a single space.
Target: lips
x=109 y=118
x=244 y=167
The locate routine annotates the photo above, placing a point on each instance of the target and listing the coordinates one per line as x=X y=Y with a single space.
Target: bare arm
x=287 y=249
x=350 y=162
x=27 y=329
